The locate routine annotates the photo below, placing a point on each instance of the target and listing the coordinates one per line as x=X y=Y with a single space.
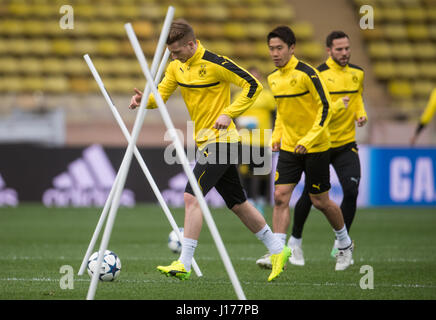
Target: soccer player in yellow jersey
x=343 y=81
x=254 y=127
x=204 y=78
x=426 y=116
x=301 y=136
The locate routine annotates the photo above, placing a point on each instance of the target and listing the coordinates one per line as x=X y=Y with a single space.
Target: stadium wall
x=83 y=176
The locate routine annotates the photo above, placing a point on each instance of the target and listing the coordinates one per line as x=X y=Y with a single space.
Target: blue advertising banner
x=402 y=176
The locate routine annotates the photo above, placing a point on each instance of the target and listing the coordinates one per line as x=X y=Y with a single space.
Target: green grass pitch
x=399 y=244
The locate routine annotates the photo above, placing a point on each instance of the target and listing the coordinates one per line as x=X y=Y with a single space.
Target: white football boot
x=297 y=257
x=265 y=262
x=344 y=257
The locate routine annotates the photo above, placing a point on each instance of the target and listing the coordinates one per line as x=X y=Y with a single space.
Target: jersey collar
x=292 y=63
x=334 y=65
x=197 y=55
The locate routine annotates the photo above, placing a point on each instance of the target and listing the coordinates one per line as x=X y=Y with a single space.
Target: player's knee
x=320 y=203
x=351 y=191
x=190 y=200
x=280 y=198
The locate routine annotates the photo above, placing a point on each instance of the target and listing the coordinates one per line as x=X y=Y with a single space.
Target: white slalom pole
x=136 y=151
x=183 y=158
x=128 y=156
x=112 y=191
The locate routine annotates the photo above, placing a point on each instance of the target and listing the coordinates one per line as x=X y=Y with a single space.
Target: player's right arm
x=426 y=116
x=166 y=88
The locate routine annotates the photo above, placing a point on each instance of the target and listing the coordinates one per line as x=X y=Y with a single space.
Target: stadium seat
x=417 y=32
x=84 y=45
x=62 y=47
x=311 y=50
x=76 y=66
x=400 y=89
x=384 y=70
x=390 y=14
x=52 y=65
x=415 y=14
x=108 y=47
x=303 y=30
x=423 y=88
x=31 y=66
x=380 y=50
x=40 y=46
x=257 y=31
x=395 y=32
x=9 y=65
x=425 y=50
x=55 y=84
x=407 y=70
x=234 y=31
x=427 y=70
x=143 y=29
x=402 y=50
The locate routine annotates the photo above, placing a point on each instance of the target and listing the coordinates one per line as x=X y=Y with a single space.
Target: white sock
x=188 y=249
x=343 y=238
x=270 y=240
x=281 y=236
x=295 y=242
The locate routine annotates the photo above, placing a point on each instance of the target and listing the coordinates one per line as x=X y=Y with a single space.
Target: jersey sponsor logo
x=317 y=186
x=86 y=182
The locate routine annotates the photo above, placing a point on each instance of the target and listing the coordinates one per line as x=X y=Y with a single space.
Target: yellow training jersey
x=258 y=116
x=204 y=82
x=303 y=107
x=430 y=110
x=341 y=82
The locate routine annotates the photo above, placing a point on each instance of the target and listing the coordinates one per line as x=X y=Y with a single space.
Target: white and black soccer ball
x=111 y=266
x=173 y=241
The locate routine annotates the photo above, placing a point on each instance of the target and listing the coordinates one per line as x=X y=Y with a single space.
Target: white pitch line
x=256 y=283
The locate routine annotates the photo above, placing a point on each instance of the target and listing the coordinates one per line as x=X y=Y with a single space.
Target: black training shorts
x=315 y=165
x=217 y=167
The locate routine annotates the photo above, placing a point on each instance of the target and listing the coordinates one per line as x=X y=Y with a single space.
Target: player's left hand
x=361 y=121
x=299 y=149
x=222 y=122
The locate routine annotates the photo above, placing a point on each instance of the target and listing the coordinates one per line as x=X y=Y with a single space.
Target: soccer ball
x=111 y=266
x=173 y=241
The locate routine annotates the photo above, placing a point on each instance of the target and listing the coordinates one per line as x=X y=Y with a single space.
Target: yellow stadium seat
x=395 y=32
x=282 y=14
x=30 y=66
x=220 y=47
x=44 y=11
x=418 y=32
x=63 y=47
x=415 y=14
x=11 y=27
x=432 y=31
x=40 y=46
x=34 y=28
x=19 y=10
x=217 y=12
x=427 y=69
x=55 y=84
x=238 y=13
x=259 y=13
x=394 y=14
x=261 y=49
x=81 y=84
x=52 y=65
x=310 y=50
x=98 y=29
x=243 y=50
x=105 y=11
x=75 y=66
x=34 y=83
x=108 y=47
x=152 y=11
x=379 y=50
x=12 y=84
x=9 y=65
x=85 y=11
x=384 y=70
x=408 y=70
x=82 y=46
x=402 y=50
x=425 y=50
x=373 y=34
x=423 y=88
x=18 y=46
x=143 y=29
x=431 y=12
x=303 y=31
x=234 y=31
x=257 y=31
x=400 y=89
